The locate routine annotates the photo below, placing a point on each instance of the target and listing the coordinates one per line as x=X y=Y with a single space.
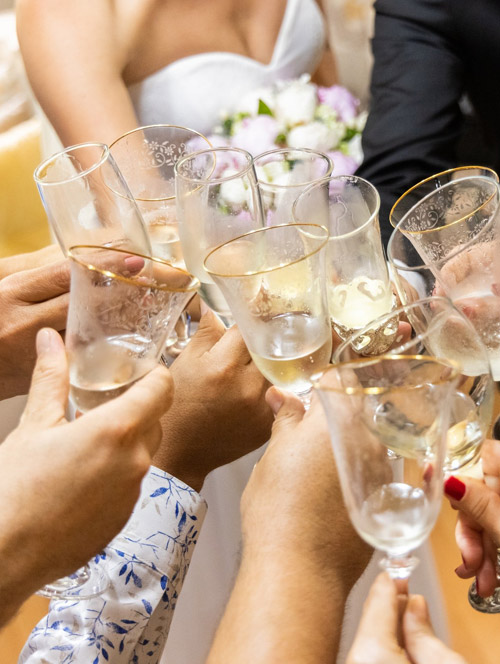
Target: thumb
x=477 y=501
x=421 y=643
x=209 y=331
x=287 y=408
x=48 y=395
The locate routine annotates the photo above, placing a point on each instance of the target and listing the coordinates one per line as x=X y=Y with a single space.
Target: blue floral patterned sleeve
x=147 y=563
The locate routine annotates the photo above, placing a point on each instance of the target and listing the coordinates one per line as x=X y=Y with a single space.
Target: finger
x=209 y=332
x=137 y=408
x=468 y=535
x=41 y=283
x=48 y=395
x=11 y=264
x=379 y=620
x=232 y=349
x=490 y=457
x=478 y=502
x=421 y=643
x=486 y=577
x=288 y=410
x=53 y=312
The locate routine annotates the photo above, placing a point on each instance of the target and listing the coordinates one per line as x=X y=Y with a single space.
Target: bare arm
x=74 y=53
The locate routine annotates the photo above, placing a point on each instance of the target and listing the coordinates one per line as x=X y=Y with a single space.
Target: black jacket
x=427 y=55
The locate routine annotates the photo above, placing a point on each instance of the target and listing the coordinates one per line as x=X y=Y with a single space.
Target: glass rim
x=271 y=269
x=432 y=177
x=220 y=180
x=317 y=153
x=156 y=126
x=37 y=175
x=417 y=304
x=192 y=287
x=373 y=215
x=348 y=390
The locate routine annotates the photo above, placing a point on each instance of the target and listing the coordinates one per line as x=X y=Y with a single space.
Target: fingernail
x=274 y=399
x=467 y=310
x=454 y=488
x=134 y=263
x=46 y=341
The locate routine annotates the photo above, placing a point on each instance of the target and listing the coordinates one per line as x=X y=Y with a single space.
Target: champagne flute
x=453 y=221
x=440 y=330
x=87 y=200
x=359 y=287
x=392 y=500
x=122 y=307
x=217 y=199
x=283 y=174
x=146 y=156
x=273 y=280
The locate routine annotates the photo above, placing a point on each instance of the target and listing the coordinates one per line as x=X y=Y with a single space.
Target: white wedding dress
x=193 y=92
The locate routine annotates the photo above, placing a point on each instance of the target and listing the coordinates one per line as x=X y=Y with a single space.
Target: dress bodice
x=194 y=90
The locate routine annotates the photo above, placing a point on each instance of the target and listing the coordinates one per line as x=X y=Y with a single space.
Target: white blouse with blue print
x=147 y=563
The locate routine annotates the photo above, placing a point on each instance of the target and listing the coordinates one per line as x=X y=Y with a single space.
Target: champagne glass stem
x=399 y=567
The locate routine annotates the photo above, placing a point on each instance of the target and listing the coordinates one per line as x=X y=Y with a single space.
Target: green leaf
x=350 y=132
x=264 y=108
x=226 y=126
x=280 y=139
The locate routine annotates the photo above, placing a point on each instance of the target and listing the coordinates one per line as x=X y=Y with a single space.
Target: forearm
x=283 y=609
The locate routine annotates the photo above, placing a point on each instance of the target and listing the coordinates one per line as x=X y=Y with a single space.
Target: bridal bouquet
x=297 y=114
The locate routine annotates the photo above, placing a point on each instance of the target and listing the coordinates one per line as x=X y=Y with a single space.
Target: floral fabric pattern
x=147 y=564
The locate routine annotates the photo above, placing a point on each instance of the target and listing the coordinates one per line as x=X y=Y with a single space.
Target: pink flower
x=342 y=164
x=257 y=134
x=340 y=100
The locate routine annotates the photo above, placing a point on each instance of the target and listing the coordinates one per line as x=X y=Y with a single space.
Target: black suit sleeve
x=417 y=81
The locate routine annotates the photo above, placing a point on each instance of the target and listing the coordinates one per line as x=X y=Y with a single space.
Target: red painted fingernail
x=454 y=488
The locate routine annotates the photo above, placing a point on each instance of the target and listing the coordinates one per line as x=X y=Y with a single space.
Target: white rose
x=233 y=192
x=315 y=136
x=353 y=149
x=249 y=103
x=296 y=103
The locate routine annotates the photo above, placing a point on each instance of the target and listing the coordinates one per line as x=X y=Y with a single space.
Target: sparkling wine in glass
x=392 y=500
x=273 y=281
x=359 y=287
x=433 y=326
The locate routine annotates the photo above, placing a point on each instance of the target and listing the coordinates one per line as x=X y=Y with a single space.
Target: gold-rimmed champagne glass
x=273 y=280
x=433 y=326
x=217 y=199
x=359 y=286
x=87 y=200
x=392 y=500
x=453 y=221
x=122 y=307
x=146 y=156
x=283 y=174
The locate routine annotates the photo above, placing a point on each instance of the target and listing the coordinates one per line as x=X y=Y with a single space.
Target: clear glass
x=146 y=156
x=359 y=287
x=122 y=307
x=433 y=326
x=87 y=200
x=217 y=199
x=373 y=405
x=274 y=282
x=283 y=174
x=455 y=228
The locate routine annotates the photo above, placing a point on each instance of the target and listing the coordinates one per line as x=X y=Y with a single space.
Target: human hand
x=12 y=264
x=29 y=300
x=293 y=504
x=387 y=615
x=478 y=526
x=67 y=488
x=219 y=412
